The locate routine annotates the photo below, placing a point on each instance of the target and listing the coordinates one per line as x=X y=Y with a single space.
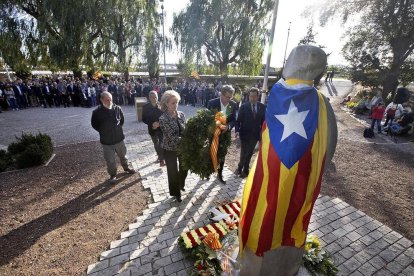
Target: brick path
x=359 y=244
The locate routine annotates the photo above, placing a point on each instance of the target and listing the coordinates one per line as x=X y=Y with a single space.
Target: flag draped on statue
x=285 y=179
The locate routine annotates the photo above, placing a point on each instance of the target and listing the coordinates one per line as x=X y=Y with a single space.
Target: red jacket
x=378 y=112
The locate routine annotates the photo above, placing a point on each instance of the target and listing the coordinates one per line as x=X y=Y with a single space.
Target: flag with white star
x=292 y=118
x=284 y=181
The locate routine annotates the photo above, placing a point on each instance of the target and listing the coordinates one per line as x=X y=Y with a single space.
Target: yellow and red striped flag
x=285 y=179
x=220 y=120
x=195 y=75
x=97 y=75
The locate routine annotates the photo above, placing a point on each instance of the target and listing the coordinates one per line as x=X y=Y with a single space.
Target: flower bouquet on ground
x=201 y=245
x=196 y=141
x=214 y=248
x=227 y=256
x=316 y=260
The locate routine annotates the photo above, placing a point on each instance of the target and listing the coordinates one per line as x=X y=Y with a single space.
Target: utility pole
x=269 y=52
x=287 y=39
x=163 y=38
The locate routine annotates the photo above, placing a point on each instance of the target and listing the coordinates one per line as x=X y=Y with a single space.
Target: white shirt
x=398 y=107
x=224 y=108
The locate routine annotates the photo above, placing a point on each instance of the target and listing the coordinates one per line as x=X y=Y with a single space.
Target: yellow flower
x=315 y=241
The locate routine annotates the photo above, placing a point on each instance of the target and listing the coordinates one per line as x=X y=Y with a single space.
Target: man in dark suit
x=18 y=94
x=70 y=90
x=224 y=104
x=248 y=128
x=47 y=94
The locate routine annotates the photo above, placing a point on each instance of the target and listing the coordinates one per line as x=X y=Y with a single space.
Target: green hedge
x=5 y=160
x=29 y=150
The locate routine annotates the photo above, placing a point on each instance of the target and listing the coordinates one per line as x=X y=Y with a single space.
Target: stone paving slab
x=359 y=244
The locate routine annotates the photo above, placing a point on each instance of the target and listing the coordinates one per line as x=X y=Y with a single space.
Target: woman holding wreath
x=172 y=123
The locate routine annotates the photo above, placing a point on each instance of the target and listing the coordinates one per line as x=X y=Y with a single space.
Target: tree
x=72 y=34
x=384 y=38
x=407 y=71
x=226 y=31
x=186 y=66
x=124 y=24
x=366 y=61
x=53 y=33
x=152 y=50
x=12 y=48
x=309 y=38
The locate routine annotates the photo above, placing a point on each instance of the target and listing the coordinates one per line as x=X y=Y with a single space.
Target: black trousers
x=388 y=119
x=157 y=141
x=220 y=168
x=176 y=173
x=246 y=153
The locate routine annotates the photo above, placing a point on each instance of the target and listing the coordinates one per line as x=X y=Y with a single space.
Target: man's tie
x=254 y=111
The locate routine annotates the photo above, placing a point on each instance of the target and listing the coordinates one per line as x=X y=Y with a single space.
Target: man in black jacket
x=229 y=108
x=248 y=128
x=108 y=120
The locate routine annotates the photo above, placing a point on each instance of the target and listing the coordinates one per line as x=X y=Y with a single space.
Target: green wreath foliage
x=195 y=143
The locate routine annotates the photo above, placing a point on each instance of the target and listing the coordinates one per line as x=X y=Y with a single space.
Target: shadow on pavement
x=17 y=241
x=331 y=89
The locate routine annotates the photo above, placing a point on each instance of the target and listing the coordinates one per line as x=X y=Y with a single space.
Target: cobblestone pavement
x=360 y=245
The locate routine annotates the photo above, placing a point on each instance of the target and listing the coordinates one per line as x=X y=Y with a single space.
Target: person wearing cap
x=108 y=120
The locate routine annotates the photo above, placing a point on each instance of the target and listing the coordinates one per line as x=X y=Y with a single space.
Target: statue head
x=305 y=62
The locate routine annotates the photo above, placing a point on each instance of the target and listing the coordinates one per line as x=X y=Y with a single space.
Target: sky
x=288 y=11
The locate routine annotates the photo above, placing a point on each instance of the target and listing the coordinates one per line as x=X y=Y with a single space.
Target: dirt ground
x=67 y=213
x=56 y=220
x=374 y=176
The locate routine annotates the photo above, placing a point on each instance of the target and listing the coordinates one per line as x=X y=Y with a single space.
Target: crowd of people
x=397 y=116
x=57 y=91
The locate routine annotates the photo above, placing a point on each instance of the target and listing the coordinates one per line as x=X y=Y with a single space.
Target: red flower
x=200 y=267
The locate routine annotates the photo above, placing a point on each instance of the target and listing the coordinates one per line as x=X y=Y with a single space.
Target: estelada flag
x=285 y=179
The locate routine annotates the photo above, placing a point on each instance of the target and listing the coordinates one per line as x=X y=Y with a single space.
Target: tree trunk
x=77 y=73
x=126 y=74
x=223 y=68
x=390 y=83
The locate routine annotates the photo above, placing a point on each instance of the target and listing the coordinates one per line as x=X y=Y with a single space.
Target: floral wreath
x=213 y=245
x=196 y=141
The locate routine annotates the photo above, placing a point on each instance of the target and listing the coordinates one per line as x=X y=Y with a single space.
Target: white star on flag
x=293 y=121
